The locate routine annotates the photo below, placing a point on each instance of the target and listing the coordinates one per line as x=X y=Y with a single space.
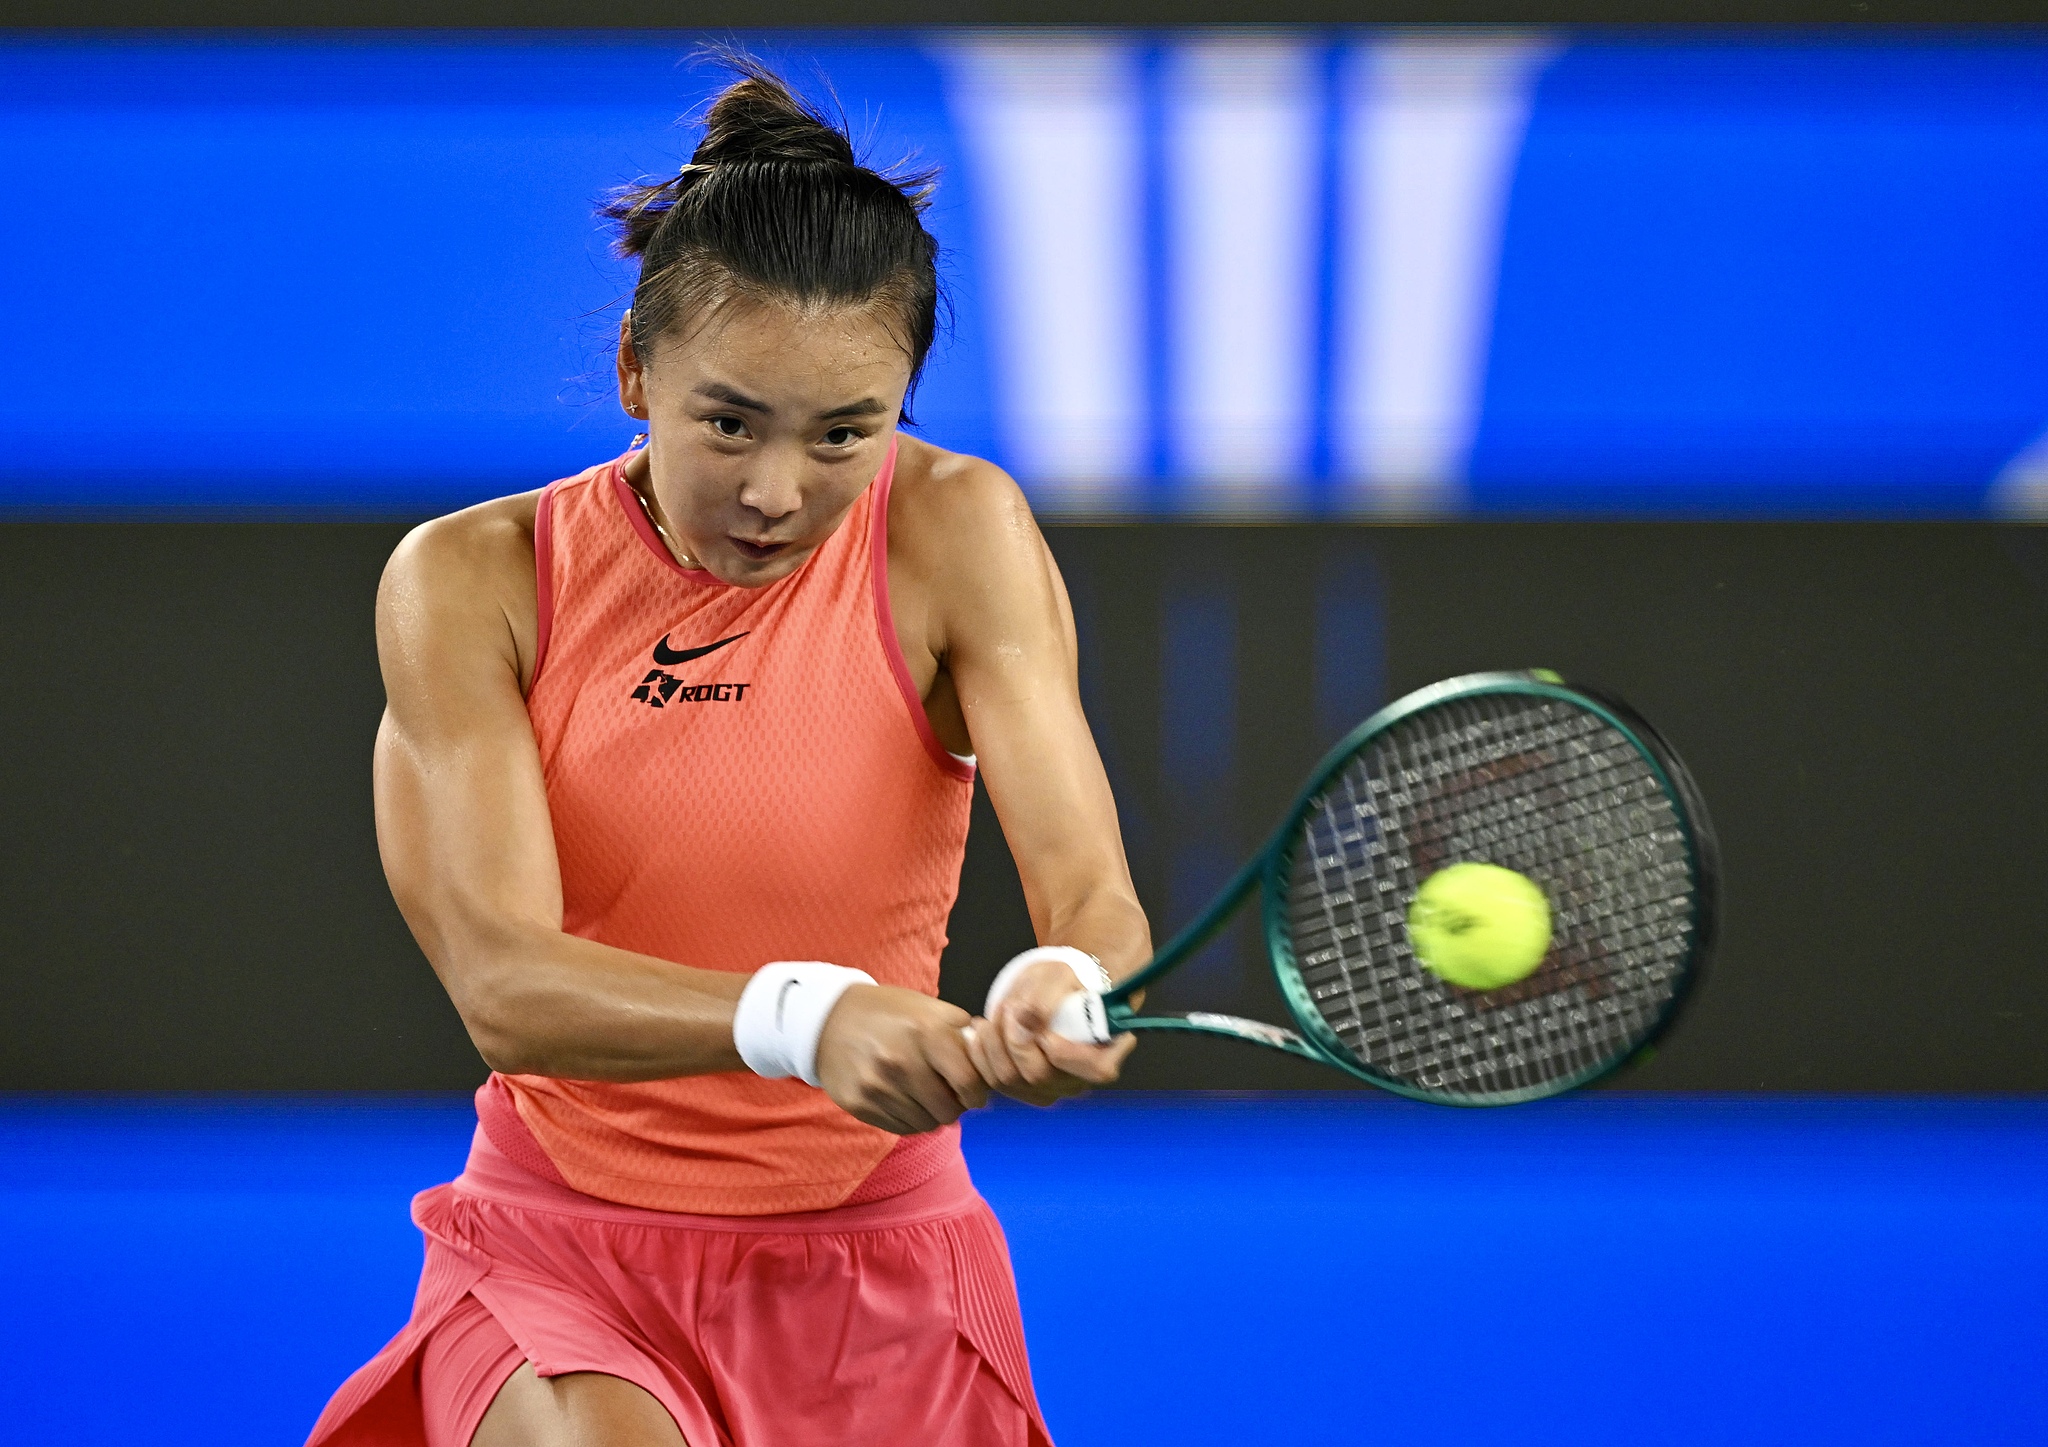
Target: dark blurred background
x=1706 y=364
x=194 y=902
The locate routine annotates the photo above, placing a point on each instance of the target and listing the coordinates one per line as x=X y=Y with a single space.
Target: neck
x=641 y=480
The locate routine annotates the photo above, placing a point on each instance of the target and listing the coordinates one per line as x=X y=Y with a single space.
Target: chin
x=747 y=572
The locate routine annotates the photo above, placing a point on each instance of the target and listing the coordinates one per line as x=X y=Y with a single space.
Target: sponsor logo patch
x=661 y=688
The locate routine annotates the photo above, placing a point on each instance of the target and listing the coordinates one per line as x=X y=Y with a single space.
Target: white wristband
x=1080 y=1016
x=782 y=1013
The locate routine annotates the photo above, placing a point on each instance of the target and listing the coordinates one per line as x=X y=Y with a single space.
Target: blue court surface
x=1275 y=1270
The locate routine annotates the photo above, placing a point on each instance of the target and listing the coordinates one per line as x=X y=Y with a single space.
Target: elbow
x=503 y=1032
x=502 y=1051
x=483 y=986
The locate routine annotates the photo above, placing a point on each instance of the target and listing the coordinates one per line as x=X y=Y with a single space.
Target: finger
x=947 y=1053
x=1023 y=1044
x=874 y=1114
x=893 y=1089
x=991 y=1057
x=1020 y=1017
x=1032 y=1063
x=1014 y=1055
x=977 y=1051
x=1094 y=1064
x=928 y=1092
x=1001 y=1072
x=914 y=1112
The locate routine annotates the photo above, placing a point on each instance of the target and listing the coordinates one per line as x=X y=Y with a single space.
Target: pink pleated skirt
x=893 y=1322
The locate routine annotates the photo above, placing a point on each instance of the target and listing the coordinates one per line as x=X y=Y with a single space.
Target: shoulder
x=466 y=576
x=489 y=543
x=972 y=563
x=947 y=509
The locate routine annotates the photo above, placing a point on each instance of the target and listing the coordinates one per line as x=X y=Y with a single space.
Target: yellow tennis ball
x=1479 y=925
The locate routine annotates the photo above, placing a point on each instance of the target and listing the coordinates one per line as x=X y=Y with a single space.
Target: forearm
x=1107 y=922
x=541 y=1002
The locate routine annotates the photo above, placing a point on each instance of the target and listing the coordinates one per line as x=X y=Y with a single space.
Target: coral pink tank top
x=736 y=775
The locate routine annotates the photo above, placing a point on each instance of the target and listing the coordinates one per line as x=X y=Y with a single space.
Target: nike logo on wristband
x=781 y=998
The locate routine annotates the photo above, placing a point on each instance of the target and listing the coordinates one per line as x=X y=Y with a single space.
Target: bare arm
x=1001 y=620
x=467 y=843
x=462 y=823
x=1013 y=657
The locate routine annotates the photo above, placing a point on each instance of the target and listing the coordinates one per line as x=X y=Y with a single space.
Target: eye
x=729 y=426
x=843 y=436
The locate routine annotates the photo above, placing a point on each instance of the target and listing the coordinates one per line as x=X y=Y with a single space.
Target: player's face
x=763 y=427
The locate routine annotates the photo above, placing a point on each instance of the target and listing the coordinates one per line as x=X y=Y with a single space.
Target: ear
x=632 y=380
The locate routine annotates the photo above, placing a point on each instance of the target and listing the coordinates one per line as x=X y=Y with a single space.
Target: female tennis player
x=673 y=788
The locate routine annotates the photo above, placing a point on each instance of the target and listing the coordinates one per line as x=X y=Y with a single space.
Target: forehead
x=776 y=348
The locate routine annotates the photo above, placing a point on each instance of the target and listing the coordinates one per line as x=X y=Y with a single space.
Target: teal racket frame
x=1268 y=871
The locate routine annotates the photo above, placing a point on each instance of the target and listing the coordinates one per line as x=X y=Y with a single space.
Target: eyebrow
x=733 y=397
x=865 y=407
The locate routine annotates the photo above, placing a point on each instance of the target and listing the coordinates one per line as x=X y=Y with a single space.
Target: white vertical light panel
x=1243 y=156
x=1051 y=123
x=1432 y=128
x=2021 y=488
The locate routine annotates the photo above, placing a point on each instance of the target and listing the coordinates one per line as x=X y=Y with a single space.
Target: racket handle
x=1081 y=1017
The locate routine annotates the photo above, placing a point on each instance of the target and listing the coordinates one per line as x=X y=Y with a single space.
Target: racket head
x=1566 y=785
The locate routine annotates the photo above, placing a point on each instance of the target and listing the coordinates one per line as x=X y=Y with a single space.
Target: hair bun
x=774 y=206
x=758 y=119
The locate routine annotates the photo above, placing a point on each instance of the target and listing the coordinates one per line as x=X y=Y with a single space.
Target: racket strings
x=1539 y=785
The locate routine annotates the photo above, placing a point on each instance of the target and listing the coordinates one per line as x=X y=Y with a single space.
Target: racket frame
x=1268 y=872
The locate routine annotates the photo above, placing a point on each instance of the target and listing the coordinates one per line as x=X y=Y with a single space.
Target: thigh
x=576 y=1409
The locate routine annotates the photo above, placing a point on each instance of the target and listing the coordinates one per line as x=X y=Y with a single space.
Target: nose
x=772 y=492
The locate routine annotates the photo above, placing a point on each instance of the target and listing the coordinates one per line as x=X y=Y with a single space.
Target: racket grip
x=1081 y=1017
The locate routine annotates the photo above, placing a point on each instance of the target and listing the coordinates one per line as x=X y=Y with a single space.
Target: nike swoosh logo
x=782 y=996
x=666 y=655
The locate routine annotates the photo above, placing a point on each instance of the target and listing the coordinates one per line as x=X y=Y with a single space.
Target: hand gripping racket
x=1563 y=785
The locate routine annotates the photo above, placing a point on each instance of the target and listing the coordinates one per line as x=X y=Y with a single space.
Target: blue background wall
x=1365 y=1271
x=1776 y=276
x=1782 y=276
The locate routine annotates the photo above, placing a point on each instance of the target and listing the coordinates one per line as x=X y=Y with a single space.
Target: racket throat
x=1204 y=1022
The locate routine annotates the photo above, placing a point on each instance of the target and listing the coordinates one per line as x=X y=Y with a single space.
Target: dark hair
x=774 y=204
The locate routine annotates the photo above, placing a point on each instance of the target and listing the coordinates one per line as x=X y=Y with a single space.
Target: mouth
x=757 y=552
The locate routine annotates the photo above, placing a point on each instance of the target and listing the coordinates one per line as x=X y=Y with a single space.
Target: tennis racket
x=1561 y=784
